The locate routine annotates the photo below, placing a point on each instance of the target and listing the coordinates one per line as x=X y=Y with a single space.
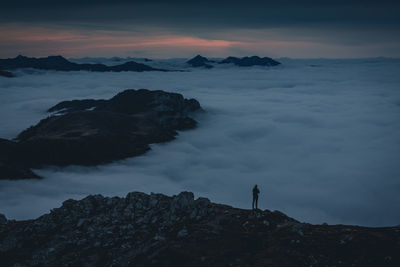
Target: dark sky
x=213 y=28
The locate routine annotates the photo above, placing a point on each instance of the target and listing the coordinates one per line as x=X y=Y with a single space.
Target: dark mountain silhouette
x=61 y=64
x=90 y=132
x=250 y=61
x=199 y=61
x=158 y=230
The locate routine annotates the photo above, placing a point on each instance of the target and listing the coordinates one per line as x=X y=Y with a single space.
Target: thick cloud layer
x=320 y=138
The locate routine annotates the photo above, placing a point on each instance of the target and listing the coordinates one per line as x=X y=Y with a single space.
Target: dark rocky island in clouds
x=157 y=230
x=89 y=132
x=59 y=63
x=250 y=61
x=62 y=64
x=199 y=61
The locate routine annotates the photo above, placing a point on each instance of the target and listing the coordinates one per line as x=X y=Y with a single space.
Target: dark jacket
x=256 y=191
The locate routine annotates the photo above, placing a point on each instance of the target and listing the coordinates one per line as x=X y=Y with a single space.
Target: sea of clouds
x=321 y=138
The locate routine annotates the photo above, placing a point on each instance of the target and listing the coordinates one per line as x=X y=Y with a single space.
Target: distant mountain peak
x=200 y=61
x=21 y=57
x=200 y=57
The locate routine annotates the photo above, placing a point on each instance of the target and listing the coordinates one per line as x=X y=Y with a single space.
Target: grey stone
x=182 y=233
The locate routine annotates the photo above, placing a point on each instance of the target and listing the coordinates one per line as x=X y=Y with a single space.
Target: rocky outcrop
x=6 y=74
x=250 y=61
x=90 y=132
x=158 y=230
x=199 y=61
x=61 y=64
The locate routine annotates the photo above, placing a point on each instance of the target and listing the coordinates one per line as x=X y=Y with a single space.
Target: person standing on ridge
x=256 y=191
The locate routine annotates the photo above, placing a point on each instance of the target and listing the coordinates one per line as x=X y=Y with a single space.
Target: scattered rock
x=297 y=228
x=182 y=233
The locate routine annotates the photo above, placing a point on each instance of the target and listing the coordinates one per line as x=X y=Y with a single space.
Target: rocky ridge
x=158 y=230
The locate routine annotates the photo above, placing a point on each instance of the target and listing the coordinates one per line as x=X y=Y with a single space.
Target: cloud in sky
x=280 y=28
x=160 y=43
x=39 y=41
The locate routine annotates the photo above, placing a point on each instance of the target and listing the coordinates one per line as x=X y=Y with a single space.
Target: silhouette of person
x=256 y=191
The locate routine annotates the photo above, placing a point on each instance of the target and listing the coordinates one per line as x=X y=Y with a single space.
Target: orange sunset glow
x=159 y=43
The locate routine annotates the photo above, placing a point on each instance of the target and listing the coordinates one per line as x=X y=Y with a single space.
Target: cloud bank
x=319 y=137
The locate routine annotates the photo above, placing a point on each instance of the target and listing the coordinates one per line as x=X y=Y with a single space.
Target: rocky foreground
x=91 y=132
x=157 y=230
